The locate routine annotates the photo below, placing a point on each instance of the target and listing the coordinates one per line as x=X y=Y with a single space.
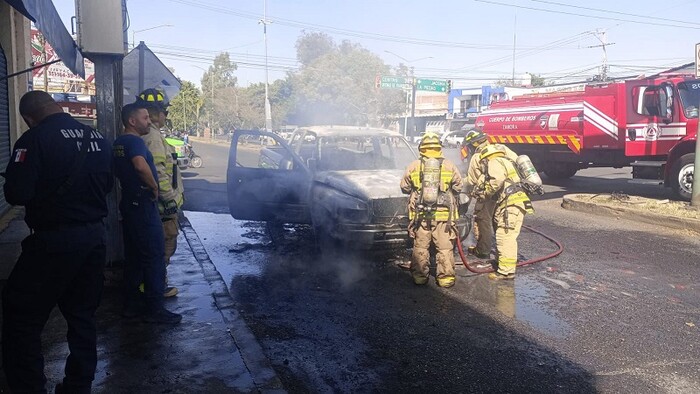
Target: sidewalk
x=203 y=140
x=211 y=351
x=672 y=214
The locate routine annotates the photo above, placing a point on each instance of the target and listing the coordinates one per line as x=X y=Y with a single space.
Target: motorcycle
x=195 y=159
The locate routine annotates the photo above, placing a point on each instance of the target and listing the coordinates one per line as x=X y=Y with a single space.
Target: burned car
x=342 y=180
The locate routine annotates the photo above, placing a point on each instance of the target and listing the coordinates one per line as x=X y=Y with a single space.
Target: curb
x=258 y=365
x=209 y=141
x=602 y=209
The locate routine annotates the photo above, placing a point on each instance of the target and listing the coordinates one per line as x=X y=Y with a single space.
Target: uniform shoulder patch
x=20 y=155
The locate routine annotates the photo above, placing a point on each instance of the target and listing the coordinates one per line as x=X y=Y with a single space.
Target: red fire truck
x=649 y=124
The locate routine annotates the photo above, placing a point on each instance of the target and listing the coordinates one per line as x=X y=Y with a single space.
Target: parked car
x=453 y=138
x=342 y=180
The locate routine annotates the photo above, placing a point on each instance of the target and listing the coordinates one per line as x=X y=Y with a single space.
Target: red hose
x=520 y=263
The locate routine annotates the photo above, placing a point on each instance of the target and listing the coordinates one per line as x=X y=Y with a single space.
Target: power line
x=615 y=12
x=344 y=32
x=586 y=16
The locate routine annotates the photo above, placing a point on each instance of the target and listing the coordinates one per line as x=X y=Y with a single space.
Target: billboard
x=57 y=78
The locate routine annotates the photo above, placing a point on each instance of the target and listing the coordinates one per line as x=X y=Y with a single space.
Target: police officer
x=143 y=230
x=432 y=222
x=499 y=181
x=169 y=180
x=60 y=171
x=474 y=143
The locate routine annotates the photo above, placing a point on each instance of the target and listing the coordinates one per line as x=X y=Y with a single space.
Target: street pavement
x=211 y=350
x=617 y=311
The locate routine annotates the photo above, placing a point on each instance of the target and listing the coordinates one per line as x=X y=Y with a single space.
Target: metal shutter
x=4 y=129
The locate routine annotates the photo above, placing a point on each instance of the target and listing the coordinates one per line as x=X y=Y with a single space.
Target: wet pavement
x=614 y=313
x=211 y=351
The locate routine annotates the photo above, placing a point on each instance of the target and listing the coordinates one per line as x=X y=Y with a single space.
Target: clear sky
x=470 y=41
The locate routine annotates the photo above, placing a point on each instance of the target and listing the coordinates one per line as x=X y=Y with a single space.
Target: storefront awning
x=46 y=18
x=142 y=69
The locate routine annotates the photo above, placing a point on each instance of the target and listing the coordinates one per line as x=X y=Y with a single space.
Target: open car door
x=265 y=180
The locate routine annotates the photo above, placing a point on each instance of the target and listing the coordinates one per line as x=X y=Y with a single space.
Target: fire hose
x=559 y=250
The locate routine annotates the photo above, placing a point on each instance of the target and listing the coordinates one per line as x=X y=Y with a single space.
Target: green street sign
x=391 y=82
x=431 y=85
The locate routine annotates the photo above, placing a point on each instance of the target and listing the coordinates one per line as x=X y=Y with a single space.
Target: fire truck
x=649 y=124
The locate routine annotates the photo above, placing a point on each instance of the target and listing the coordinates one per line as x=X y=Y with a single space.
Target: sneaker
x=162 y=316
x=499 y=276
x=170 y=291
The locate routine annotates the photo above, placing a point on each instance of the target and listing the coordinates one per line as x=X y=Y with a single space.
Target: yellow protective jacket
x=475 y=172
x=450 y=184
x=163 y=160
x=500 y=181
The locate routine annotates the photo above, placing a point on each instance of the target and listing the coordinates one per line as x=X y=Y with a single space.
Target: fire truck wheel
x=560 y=170
x=682 y=176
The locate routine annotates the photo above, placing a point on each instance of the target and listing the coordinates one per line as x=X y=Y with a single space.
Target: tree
x=185 y=108
x=215 y=82
x=311 y=46
x=535 y=80
x=337 y=87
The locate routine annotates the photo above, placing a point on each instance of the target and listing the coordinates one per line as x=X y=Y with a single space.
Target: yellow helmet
x=430 y=145
x=492 y=151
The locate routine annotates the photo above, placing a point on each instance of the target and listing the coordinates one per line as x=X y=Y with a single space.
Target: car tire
x=681 y=176
x=556 y=170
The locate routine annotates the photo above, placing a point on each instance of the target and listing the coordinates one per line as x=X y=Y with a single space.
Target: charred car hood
x=367 y=185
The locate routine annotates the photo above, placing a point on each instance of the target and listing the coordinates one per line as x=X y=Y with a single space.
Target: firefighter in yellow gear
x=432 y=183
x=499 y=181
x=170 y=189
x=473 y=145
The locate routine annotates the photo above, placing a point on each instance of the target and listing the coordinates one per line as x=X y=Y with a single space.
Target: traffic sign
x=391 y=82
x=697 y=60
x=431 y=85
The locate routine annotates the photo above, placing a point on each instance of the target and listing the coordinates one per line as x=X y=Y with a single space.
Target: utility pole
x=601 y=35
x=413 y=101
x=268 y=110
x=515 y=25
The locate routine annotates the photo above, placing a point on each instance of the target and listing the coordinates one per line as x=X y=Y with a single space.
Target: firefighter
x=474 y=143
x=499 y=182
x=170 y=189
x=432 y=183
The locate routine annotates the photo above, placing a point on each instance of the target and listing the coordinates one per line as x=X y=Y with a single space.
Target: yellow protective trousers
x=442 y=236
x=484 y=211
x=507 y=231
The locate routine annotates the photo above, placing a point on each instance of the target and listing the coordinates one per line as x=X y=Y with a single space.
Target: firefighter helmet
x=430 y=145
x=153 y=98
x=474 y=137
x=492 y=151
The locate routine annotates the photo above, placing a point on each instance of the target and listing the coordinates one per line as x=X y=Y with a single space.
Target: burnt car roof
x=349 y=131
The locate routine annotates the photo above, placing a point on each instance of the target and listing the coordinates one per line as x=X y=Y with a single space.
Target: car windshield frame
x=359 y=152
x=690 y=98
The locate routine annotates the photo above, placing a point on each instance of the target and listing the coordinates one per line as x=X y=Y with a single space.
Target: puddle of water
x=525 y=300
x=530 y=306
x=226 y=240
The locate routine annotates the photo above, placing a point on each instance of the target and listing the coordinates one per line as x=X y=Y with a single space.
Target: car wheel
x=682 y=176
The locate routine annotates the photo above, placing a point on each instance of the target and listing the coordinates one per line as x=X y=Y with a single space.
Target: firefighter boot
x=446 y=281
x=499 y=276
x=419 y=279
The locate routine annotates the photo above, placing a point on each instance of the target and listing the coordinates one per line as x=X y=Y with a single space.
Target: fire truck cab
x=648 y=124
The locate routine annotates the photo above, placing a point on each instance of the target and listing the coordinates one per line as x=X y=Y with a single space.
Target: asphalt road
x=618 y=311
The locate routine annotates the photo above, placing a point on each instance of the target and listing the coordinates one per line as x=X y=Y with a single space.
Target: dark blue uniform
x=143 y=231
x=62 y=261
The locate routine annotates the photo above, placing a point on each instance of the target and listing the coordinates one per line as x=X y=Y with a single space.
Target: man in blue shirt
x=143 y=231
x=60 y=171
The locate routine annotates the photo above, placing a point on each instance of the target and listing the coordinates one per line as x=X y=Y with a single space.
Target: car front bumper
x=373 y=236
